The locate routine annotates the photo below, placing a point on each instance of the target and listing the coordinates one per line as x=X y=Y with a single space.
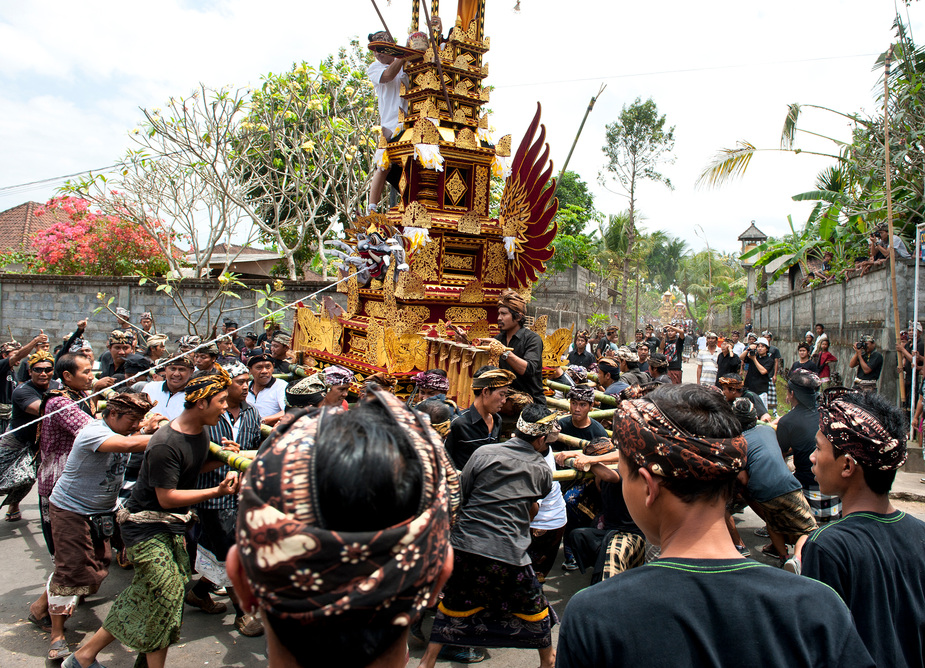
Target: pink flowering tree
x=91 y=243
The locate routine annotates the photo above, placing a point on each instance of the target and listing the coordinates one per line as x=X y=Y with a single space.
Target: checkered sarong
x=772 y=395
x=625 y=551
x=825 y=508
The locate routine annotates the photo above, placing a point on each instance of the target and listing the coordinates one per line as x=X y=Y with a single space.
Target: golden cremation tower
x=437 y=257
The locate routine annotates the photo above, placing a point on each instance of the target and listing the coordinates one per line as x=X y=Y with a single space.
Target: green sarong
x=147 y=615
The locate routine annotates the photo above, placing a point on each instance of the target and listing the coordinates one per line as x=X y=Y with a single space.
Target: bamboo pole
x=571 y=474
x=605 y=399
x=887 y=167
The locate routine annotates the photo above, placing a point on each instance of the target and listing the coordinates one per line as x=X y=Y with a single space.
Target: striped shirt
x=245 y=431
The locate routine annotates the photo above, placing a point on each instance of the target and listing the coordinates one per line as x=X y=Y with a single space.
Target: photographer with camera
x=760 y=367
x=867 y=359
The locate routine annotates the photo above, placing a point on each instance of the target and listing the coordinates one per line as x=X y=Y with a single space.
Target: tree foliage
x=576 y=204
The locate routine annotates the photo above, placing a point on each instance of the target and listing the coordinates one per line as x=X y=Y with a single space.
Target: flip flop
x=72 y=662
x=13 y=517
x=58 y=650
x=44 y=623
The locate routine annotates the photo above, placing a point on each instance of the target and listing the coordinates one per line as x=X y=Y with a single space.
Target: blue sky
x=73 y=76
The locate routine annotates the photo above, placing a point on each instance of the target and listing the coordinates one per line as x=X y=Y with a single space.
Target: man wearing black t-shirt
x=480 y=424
x=578 y=423
x=673 y=349
x=11 y=354
x=867 y=360
x=700 y=603
x=580 y=355
x=147 y=615
x=873 y=556
x=651 y=339
x=525 y=357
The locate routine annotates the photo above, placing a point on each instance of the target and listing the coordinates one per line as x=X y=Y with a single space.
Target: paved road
x=206 y=640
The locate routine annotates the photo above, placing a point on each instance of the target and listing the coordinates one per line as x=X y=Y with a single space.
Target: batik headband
x=805 y=386
x=383 y=380
x=121 y=336
x=123 y=312
x=427 y=380
x=146 y=314
x=10 y=346
x=583 y=334
x=207 y=385
x=283 y=338
x=581 y=393
x=302 y=571
x=599 y=446
x=627 y=355
x=730 y=381
x=577 y=373
x=337 y=375
x=658 y=361
x=513 y=301
x=235 y=369
x=79 y=344
x=189 y=341
x=656 y=444
x=157 y=340
x=41 y=356
x=307 y=391
x=853 y=430
x=541 y=427
x=493 y=378
x=135 y=403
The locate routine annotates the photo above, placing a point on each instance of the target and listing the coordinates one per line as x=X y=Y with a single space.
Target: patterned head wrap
x=745 y=413
x=207 y=385
x=627 y=355
x=513 y=301
x=581 y=392
x=210 y=349
x=578 y=374
x=146 y=314
x=235 y=368
x=157 y=340
x=123 y=312
x=599 y=446
x=189 y=341
x=867 y=338
x=79 y=345
x=130 y=402
x=41 y=356
x=853 y=430
x=583 y=334
x=10 y=346
x=383 y=380
x=493 y=378
x=307 y=391
x=283 y=338
x=656 y=444
x=805 y=386
x=427 y=380
x=335 y=376
x=730 y=381
x=180 y=358
x=121 y=336
x=301 y=570
x=541 y=427
x=658 y=361
x=606 y=364
x=255 y=359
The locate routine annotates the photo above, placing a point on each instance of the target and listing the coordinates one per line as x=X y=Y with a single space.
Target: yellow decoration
x=470 y=223
x=467 y=314
x=416 y=215
x=555 y=345
x=496 y=271
x=410 y=286
x=466 y=139
x=472 y=293
x=455 y=187
x=539 y=325
x=503 y=147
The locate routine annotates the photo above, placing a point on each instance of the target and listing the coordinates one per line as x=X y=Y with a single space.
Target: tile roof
x=20 y=223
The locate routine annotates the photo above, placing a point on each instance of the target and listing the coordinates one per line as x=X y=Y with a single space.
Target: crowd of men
x=356 y=522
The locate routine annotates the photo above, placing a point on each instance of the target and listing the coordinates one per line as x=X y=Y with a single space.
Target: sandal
x=208 y=606
x=72 y=662
x=770 y=550
x=58 y=650
x=44 y=623
x=15 y=516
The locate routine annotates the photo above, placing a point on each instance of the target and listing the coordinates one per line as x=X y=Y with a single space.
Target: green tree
x=664 y=258
x=637 y=143
x=576 y=204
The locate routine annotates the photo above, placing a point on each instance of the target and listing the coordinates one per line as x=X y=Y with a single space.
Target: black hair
x=803 y=344
x=531 y=413
x=441 y=372
x=368 y=477
x=630 y=365
x=68 y=362
x=893 y=420
x=701 y=411
x=436 y=410
x=819 y=324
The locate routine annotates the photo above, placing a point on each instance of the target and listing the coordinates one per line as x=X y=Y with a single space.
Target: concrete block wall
x=568 y=297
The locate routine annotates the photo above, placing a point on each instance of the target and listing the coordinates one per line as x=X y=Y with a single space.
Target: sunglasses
x=43 y=369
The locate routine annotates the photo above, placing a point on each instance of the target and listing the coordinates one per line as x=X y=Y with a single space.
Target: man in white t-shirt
x=737 y=346
x=267 y=394
x=167 y=394
x=387 y=75
x=707 y=360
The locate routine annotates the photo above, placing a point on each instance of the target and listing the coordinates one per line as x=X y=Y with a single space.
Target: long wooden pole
x=577 y=135
x=376 y=7
x=436 y=48
x=605 y=399
x=887 y=167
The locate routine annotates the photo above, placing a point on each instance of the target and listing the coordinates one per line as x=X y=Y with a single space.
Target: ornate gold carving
x=470 y=223
x=485 y=70
x=353 y=294
x=402 y=183
x=467 y=314
x=525 y=292
x=458 y=261
x=321 y=332
x=341 y=287
x=358 y=344
x=402 y=90
x=555 y=345
x=495 y=349
x=539 y=325
x=375 y=351
x=424 y=263
x=462 y=87
x=410 y=286
x=463 y=61
x=430 y=109
x=515 y=209
x=479 y=330
x=472 y=293
x=503 y=147
x=441 y=329
x=455 y=187
x=466 y=139
x=483 y=95
x=406 y=352
x=487 y=42
x=481 y=189
x=416 y=215
x=473 y=30
x=429 y=55
x=427 y=81
x=496 y=270
x=425 y=132
x=483 y=121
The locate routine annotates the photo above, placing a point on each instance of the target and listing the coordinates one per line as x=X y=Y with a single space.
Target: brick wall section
x=862 y=305
x=29 y=303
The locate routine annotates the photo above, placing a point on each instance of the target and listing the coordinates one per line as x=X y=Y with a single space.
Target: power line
x=34 y=185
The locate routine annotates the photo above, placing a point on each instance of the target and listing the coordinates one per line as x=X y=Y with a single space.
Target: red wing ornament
x=528 y=207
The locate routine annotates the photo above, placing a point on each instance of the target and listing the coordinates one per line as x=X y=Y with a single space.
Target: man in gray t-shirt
x=81 y=505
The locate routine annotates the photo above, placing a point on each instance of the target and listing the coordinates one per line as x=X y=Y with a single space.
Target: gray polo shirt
x=499 y=484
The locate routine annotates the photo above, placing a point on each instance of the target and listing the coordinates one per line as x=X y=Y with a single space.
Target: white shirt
x=167 y=404
x=709 y=365
x=552 y=508
x=738 y=349
x=388 y=94
x=270 y=400
x=701 y=343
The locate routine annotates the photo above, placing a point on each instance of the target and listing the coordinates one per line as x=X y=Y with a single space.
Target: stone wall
x=570 y=297
x=861 y=305
x=55 y=304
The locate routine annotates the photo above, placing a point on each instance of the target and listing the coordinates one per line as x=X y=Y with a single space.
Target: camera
x=861 y=345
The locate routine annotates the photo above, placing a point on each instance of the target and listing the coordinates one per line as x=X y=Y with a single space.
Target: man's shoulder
x=861 y=526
